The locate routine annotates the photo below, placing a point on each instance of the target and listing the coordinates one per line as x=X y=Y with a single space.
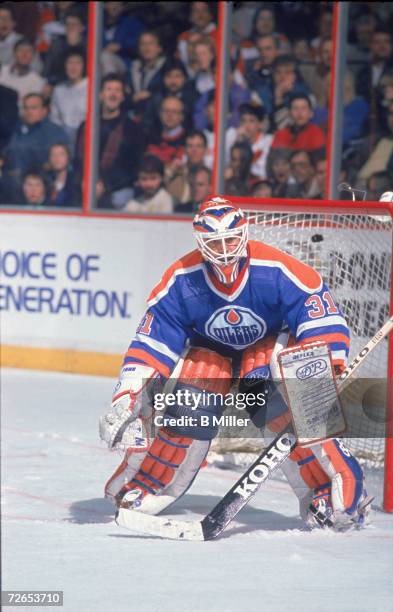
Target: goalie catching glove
x=123 y=426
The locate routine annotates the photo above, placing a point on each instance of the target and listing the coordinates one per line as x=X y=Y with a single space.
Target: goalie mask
x=221 y=232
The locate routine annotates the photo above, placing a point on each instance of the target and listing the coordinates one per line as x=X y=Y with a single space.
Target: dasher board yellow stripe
x=60 y=360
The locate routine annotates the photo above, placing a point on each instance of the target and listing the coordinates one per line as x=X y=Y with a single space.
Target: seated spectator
x=358 y=52
x=301 y=134
x=380 y=156
x=19 y=75
x=202 y=24
x=356 y=111
x=168 y=143
x=369 y=77
x=200 y=183
x=55 y=24
x=177 y=174
x=262 y=189
x=151 y=195
x=238 y=95
x=175 y=83
x=252 y=130
x=286 y=83
x=325 y=26
x=121 y=143
x=34 y=190
x=259 y=71
x=8 y=36
x=303 y=170
x=301 y=50
x=279 y=173
x=377 y=184
x=238 y=178
x=264 y=26
x=69 y=99
x=146 y=71
x=204 y=58
x=317 y=75
x=8 y=115
x=32 y=139
x=73 y=39
x=121 y=34
x=62 y=188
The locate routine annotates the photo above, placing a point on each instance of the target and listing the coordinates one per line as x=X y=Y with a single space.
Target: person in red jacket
x=301 y=134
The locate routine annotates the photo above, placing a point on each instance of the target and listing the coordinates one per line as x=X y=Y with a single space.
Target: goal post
x=350 y=244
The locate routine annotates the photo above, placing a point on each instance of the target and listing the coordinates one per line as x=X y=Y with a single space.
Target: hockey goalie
x=218 y=313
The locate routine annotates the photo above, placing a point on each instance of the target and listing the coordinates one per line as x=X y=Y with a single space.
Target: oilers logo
x=235 y=326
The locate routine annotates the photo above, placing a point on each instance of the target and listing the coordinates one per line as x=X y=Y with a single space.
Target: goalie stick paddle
x=271 y=458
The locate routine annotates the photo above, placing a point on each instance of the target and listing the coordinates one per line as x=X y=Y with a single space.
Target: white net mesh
x=353 y=254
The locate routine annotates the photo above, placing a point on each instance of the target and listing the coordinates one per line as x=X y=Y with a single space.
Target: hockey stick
x=246 y=487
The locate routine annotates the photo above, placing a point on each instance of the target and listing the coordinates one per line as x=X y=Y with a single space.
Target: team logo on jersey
x=235 y=326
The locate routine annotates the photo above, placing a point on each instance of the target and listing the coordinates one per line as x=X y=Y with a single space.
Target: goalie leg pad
x=166 y=472
x=206 y=376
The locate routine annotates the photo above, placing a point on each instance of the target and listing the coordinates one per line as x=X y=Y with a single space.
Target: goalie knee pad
x=204 y=379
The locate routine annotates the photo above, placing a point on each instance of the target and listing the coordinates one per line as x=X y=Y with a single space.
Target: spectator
x=34 y=190
x=238 y=178
x=202 y=24
x=303 y=170
x=200 y=183
x=62 y=189
x=356 y=111
x=380 y=156
x=177 y=174
x=262 y=189
x=33 y=136
x=73 y=39
x=121 y=144
x=8 y=36
x=69 y=99
x=152 y=197
x=168 y=143
x=55 y=25
x=8 y=115
x=175 y=83
x=377 y=184
x=204 y=64
x=146 y=71
x=252 y=130
x=381 y=63
x=19 y=75
x=121 y=34
x=258 y=72
x=286 y=83
x=264 y=26
x=301 y=50
x=325 y=23
x=358 y=53
x=279 y=173
x=301 y=134
x=238 y=95
x=316 y=76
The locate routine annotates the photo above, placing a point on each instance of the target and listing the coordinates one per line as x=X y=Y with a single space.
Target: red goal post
x=351 y=245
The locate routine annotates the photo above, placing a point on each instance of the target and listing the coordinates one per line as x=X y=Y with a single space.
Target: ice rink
x=58 y=532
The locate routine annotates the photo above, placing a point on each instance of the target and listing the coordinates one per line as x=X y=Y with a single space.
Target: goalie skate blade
x=159 y=526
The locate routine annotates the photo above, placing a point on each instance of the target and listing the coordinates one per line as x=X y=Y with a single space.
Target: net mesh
x=353 y=254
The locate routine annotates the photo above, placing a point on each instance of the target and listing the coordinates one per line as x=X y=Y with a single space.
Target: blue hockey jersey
x=273 y=290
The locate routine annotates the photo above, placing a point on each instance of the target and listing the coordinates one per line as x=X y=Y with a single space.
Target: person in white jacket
x=152 y=197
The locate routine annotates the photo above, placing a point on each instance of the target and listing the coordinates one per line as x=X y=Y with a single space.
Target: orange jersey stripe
x=149 y=360
x=304 y=273
x=191 y=259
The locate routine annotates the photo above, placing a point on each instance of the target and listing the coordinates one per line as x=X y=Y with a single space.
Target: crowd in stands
x=158 y=97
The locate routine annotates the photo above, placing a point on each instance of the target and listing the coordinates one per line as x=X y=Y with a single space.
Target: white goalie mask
x=221 y=232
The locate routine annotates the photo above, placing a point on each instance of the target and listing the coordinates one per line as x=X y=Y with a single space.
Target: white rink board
x=81 y=283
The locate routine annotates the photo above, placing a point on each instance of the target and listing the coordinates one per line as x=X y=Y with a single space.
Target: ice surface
x=58 y=531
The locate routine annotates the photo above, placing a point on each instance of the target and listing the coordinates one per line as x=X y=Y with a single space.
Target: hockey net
x=350 y=244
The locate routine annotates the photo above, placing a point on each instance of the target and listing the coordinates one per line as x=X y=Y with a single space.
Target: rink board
x=73 y=289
